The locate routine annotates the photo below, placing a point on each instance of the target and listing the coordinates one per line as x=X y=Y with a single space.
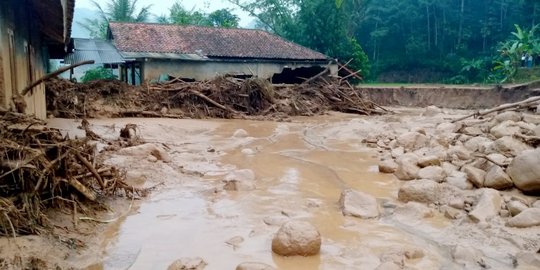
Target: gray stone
x=397 y=152
x=358 y=204
x=254 y=266
x=427 y=191
x=297 y=238
x=536 y=204
x=388 y=266
x=388 y=166
x=496 y=178
x=488 y=206
x=510 y=146
x=459 y=152
x=450 y=212
x=525 y=171
x=431 y=111
x=434 y=173
x=506 y=128
x=529 y=259
x=477 y=143
x=516 y=207
x=475 y=176
x=407 y=168
x=472 y=131
x=508 y=116
x=413 y=140
x=240 y=133
x=188 y=264
x=467 y=256
x=427 y=161
x=527 y=218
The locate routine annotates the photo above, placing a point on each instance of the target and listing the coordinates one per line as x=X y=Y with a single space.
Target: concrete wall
x=25 y=62
x=208 y=70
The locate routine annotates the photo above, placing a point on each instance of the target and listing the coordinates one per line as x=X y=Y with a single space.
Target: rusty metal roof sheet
x=207 y=42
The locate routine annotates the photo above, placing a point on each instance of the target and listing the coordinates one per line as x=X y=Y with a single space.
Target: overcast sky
x=162 y=7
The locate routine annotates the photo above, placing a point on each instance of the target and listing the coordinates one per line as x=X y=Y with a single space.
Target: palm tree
x=116 y=11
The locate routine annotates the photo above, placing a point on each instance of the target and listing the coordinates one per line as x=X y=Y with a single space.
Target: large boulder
x=407 y=167
x=475 y=175
x=516 y=207
x=297 y=238
x=430 y=160
x=525 y=171
x=510 y=146
x=459 y=152
x=358 y=204
x=459 y=180
x=254 y=266
x=467 y=256
x=528 y=218
x=188 y=264
x=427 y=191
x=434 y=173
x=431 y=111
x=240 y=180
x=488 y=206
x=496 y=178
x=506 y=128
x=413 y=140
x=509 y=116
x=478 y=144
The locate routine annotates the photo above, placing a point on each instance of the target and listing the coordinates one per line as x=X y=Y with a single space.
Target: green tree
x=115 y=11
x=99 y=73
x=178 y=14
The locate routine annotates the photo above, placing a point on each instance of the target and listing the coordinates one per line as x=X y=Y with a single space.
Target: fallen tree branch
x=89 y=166
x=500 y=108
x=201 y=95
x=53 y=74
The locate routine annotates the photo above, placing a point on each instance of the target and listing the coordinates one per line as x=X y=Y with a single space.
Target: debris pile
x=222 y=97
x=39 y=168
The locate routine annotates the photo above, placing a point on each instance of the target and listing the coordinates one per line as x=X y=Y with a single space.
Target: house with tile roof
x=152 y=51
x=31 y=32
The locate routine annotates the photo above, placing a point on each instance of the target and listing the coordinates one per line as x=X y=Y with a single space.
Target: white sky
x=162 y=7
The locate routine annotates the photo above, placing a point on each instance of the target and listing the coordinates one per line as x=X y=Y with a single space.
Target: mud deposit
x=300 y=170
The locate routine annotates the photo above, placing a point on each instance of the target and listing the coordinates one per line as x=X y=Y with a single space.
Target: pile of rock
x=446 y=164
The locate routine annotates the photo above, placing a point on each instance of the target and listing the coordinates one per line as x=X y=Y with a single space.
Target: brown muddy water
x=301 y=167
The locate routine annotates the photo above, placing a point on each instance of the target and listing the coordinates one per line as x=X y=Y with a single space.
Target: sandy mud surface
x=225 y=187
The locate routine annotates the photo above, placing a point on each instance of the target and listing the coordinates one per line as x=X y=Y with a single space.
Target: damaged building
x=159 y=51
x=31 y=32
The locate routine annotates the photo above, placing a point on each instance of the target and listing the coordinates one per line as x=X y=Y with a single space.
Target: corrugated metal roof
x=101 y=51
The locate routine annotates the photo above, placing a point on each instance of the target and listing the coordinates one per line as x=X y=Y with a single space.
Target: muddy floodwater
x=301 y=168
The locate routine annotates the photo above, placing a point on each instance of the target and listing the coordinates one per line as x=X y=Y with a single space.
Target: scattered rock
x=527 y=218
x=240 y=180
x=459 y=152
x=358 y=204
x=450 y=212
x=415 y=253
x=537 y=130
x=447 y=127
x=488 y=206
x=235 y=241
x=427 y=161
x=431 y=111
x=145 y=150
x=510 y=146
x=414 y=210
x=506 y=128
x=496 y=178
x=536 y=204
x=254 y=266
x=475 y=176
x=412 y=140
x=398 y=152
x=478 y=144
x=472 y=131
x=407 y=168
x=297 y=238
x=525 y=171
x=467 y=256
x=459 y=180
x=188 y=264
x=388 y=166
x=508 y=116
x=434 y=173
x=529 y=258
x=427 y=191
x=240 y=133
x=516 y=207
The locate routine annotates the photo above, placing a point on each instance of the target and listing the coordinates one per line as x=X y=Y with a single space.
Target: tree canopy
x=178 y=14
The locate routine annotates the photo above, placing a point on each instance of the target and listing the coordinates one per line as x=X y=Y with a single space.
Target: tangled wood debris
x=39 y=168
x=222 y=97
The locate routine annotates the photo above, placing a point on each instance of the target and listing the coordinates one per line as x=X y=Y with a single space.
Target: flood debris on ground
x=222 y=97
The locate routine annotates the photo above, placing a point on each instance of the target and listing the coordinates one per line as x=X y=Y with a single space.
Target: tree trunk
x=461 y=18
x=428 y=27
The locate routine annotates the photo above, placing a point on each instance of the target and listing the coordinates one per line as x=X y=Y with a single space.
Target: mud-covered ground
x=285 y=171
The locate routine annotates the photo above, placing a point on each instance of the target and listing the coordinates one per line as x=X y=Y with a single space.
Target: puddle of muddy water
x=300 y=175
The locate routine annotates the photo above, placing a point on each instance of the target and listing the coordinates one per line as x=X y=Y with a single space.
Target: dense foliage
x=99 y=73
x=178 y=14
x=406 y=40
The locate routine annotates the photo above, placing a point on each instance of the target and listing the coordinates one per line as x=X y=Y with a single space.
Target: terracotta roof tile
x=208 y=41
